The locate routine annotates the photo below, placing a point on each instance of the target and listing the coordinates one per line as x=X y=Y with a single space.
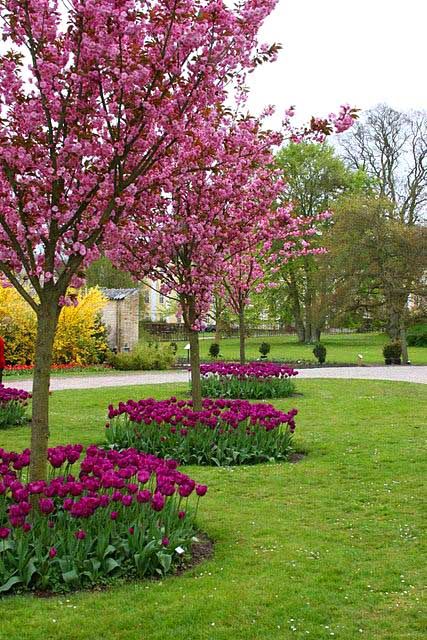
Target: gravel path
x=398 y=373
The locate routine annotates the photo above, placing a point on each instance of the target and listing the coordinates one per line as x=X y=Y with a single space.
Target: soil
x=296 y=457
x=201 y=550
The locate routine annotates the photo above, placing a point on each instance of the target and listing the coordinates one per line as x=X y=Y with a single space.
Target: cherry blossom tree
x=97 y=102
x=219 y=206
x=205 y=211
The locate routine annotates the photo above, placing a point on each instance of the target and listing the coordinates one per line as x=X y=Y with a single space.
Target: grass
x=341 y=348
x=330 y=547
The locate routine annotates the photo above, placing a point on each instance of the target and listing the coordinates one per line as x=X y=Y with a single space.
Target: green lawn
x=342 y=348
x=330 y=547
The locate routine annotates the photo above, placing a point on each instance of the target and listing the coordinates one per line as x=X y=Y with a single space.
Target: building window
x=162 y=299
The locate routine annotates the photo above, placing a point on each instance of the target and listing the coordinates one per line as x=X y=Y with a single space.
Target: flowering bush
x=255 y=380
x=13 y=403
x=123 y=514
x=80 y=337
x=225 y=432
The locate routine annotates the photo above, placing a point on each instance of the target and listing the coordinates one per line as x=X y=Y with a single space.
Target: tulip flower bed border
x=254 y=381
x=224 y=433
x=126 y=514
x=13 y=406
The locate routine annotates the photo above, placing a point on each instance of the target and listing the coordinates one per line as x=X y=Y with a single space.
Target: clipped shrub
x=225 y=432
x=214 y=350
x=319 y=352
x=256 y=380
x=110 y=514
x=13 y=406
x=416 y=336
x=174 y=348
x=392 y=353
x=80 y=338
x=264 y=349
x=145 y=357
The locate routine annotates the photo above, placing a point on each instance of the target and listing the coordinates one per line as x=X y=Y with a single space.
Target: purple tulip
x=80 y=534
x=201 y=489
x=46 y=505
x=157 y=502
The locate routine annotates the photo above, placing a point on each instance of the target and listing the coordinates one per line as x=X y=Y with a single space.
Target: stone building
x=121 y=316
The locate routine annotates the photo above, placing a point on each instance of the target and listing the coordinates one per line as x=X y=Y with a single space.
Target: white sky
x=360 y=51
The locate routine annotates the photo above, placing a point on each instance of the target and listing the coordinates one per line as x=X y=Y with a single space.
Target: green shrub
x=264 y=349
x=144 y=357
x=214 y=350
x=416 y=335
x=392 y=352
x=319 y=352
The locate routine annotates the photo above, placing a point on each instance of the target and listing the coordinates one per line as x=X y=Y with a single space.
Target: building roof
x=118 y=294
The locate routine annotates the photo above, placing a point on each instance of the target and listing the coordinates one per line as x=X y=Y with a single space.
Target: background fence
x=171 y=332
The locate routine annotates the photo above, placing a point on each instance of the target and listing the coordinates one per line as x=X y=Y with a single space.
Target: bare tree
x=391 y=147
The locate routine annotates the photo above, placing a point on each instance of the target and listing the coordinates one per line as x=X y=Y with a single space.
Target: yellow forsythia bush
x=80 y=337
x=17 y=327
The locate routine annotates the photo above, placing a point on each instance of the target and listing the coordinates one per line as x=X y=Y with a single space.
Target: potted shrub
x=319 y=352
x=392 y=353
x=214 y=350
x=264 y=349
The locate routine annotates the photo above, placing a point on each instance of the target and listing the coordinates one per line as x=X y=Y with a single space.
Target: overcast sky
x=361 y=51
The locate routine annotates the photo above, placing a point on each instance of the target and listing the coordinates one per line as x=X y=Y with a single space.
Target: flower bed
x=123 y=514
x=13 y=406
x=255 y=380
x=225 y=432
x=18 y=369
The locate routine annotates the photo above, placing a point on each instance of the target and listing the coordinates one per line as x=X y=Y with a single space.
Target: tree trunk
x=219 y=310
x=296 y=308
x=196 y=389
x=315 y=334
x=46 y=326
x=394 y=325
x=242 y=334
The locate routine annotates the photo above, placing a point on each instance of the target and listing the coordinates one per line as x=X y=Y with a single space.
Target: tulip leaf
x=10 y=583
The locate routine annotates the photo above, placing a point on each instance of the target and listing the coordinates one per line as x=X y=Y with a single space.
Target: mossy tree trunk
x=196 y=387
x=242 y=333
x=47 y=320
x=188 y=305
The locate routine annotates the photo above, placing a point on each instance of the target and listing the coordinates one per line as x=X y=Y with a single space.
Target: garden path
x=398 y=373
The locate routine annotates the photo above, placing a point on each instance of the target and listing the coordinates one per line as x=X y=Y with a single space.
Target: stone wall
x=109 y=318
x=128 y=322
x=122 y=320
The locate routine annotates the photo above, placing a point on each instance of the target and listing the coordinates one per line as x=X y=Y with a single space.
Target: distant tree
x=315 y=178
x=104 y=274
x=391 y=147
x=381 y=260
